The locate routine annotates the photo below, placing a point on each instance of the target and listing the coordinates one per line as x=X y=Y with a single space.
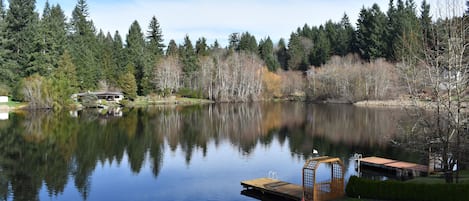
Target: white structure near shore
x=115 y=97
x=3 y=99
x=4 y=115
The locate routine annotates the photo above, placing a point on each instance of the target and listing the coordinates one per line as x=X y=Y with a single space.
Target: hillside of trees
x=45 y=58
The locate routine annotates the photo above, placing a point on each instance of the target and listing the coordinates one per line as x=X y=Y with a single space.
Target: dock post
x=357 y=157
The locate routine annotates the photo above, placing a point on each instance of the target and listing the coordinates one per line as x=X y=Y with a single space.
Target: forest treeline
x=45 y=58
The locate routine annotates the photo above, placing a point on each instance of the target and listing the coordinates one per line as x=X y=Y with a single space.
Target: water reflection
x=53 y=151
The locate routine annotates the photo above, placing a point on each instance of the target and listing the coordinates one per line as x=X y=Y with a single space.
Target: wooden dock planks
x=275 y=187
x=390 y=164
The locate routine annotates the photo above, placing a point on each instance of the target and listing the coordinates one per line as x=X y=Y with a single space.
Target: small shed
x=324 y=190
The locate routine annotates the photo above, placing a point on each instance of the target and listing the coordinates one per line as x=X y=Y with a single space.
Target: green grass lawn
x=439 y=178
x=13 y=104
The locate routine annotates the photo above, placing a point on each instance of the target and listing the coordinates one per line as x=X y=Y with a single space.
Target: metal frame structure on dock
x=324 y=190
x=310 y=190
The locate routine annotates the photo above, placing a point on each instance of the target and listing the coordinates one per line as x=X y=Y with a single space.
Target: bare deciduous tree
x=446 y=68
x=167 y=75
x=350 y=79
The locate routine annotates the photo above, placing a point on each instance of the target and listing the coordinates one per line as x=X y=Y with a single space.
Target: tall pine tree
x=201 y=47
x=106 y=61
x=189 y=61
x=346 y=36
x=282 y=54
x=82 y=46
x=154 y=51
x=172 y=49
x=154 y=37
x=266 y=51
x=7 y=66
x=321 y=50
x=118 y=54
x=51 y=39
x=297 y=52
x=135 y=50
x=21 y=25
x=188 y=56
x=371 y=32
x=426 y=23
x=247 y=43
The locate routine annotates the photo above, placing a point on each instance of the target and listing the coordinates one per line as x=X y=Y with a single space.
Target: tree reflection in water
x=48 y=148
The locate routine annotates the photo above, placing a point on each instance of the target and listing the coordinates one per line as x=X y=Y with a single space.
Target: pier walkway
x=400 y=167
x=275 y=187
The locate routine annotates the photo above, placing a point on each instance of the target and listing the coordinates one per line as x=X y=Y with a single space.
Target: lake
x=182 y=152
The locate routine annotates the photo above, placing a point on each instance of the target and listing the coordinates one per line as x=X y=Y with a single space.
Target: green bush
x=89 y=100
x=190 y=93
x=396 y=190
x=4 y=90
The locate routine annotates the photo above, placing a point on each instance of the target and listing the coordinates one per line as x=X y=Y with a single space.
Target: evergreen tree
x=107 y=62
x=8 y=67
x=410 y=32
x=155 y=40
x=426 y=23
x=247 y=43
x=118 y=55
x=154 y=52
x=188 y=57
x=234 y=41
x=216 y=45
x=128 y=83
x=64 y=81
x=322 y=48
x=371 y=32
x=135 y=45
x=266 y=52
x=332 y=31
x=51 y=39
x=306 y=32
x=282 y=54
x=82 y=47
x=172 y=48
x=21 y=25
x=404 y=27
x=299 y=48
x=201 y=47
x=346 y=36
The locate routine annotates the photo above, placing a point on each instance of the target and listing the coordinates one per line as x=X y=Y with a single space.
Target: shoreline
x=396 y=103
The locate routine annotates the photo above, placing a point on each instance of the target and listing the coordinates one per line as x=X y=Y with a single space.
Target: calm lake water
x=182 y=153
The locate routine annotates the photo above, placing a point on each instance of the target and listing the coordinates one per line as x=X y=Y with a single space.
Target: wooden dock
x=275 y=187
x=401 y=168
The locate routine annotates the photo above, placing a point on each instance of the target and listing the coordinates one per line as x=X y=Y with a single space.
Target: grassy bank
x=12 y=105
x=439 y=178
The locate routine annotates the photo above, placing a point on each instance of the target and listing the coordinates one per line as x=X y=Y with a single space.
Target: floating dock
x=275 y=187
x=401 y=168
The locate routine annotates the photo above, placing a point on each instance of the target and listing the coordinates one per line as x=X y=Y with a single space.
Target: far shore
x=145 y=101
x=406 y=103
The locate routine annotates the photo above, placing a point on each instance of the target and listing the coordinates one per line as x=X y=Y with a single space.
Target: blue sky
x=216 y=19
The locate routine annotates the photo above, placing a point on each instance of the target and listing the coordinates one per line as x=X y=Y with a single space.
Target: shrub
x=396 y=190
x=4 y=90
x=190 y=93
